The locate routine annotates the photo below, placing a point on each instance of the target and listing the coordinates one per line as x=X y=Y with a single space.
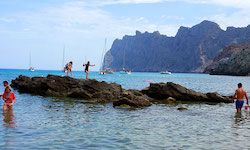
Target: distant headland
x=191 y=50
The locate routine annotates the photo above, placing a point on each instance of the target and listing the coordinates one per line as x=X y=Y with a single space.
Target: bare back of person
x=240 y=94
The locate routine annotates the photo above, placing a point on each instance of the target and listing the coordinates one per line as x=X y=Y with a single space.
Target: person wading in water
x=240 y=93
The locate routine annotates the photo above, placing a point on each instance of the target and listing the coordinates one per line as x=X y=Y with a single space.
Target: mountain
x=233 y=60
x=191 y=50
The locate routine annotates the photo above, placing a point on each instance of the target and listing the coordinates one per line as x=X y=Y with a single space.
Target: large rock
x=132 y=98
x=110 y=92
x=68 y=87
x=180 y=93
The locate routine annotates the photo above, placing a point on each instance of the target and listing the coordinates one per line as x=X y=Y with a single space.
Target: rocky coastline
x=233 y=60
x=103 y=92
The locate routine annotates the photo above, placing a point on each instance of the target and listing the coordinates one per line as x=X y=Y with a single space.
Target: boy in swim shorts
x=240 y=93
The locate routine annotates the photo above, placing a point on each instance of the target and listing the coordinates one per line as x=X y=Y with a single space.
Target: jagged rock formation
x=68 y=87
x=133 y=98
x=191 y=50
x=110 y=92
x=180 y=93
x=233 y=60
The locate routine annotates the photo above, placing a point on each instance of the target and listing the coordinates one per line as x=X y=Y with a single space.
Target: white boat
x=165 y=72
x=109 y=71
x=102 y=72
x=31 y=68
x=103 y=69
x=125 y=71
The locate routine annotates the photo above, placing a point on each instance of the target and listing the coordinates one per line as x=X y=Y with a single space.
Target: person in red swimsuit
x=8 y=97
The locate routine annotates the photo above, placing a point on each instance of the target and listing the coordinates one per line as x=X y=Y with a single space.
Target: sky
x=43 y=28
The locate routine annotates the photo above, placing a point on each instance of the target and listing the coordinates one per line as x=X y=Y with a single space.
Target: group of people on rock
x=69 y=66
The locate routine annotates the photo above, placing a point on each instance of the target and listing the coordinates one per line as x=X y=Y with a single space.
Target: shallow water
x=63 y=123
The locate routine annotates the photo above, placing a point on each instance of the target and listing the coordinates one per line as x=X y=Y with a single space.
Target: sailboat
x=64 y=68
x=105 y=70
x=30 y=67
x=124 y=70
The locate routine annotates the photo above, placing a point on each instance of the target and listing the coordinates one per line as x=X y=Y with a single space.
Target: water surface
x=63 y=123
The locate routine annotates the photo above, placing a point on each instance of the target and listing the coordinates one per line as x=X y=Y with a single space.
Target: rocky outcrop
x=133 y=98
x=180 y=93
x=191 y=50
x=104 y=92
x=68 y=87
x=233 y=60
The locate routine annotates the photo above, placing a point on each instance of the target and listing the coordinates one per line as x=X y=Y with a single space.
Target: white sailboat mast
x=103 y=54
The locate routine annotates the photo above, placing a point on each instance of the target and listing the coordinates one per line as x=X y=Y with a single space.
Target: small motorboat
x=165 y=72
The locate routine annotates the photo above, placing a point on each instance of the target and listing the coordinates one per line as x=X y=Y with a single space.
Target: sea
x=38 y=122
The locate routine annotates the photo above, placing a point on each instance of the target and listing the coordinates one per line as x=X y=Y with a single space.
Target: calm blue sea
x=38 y=122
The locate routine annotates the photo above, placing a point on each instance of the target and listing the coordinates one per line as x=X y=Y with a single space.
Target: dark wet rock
x=132 y=98
x=103 y=92
x=180 y=93
x=124 y=106
x=68 y=87
x=181 y=108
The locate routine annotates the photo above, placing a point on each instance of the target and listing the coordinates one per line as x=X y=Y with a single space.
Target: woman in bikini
x=8 y=97
x=87 y=68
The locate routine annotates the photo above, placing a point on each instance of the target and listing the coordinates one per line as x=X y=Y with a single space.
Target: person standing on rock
x=68 y=68
x=240 y=93
x=87 y=68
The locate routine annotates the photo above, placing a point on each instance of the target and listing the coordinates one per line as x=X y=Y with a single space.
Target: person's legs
x=67 y=72
x=10 y=107
x=71 y=73
x=87 y=74
x=239 y=105
x=5 y=107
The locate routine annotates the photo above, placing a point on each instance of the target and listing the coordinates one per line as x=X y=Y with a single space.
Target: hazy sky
x=43 y=27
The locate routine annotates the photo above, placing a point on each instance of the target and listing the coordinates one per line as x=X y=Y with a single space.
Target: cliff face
x=191 y=50
x=233 y=60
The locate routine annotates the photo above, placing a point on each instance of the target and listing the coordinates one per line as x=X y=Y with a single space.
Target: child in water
x=8 y=97
x=5 y=84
